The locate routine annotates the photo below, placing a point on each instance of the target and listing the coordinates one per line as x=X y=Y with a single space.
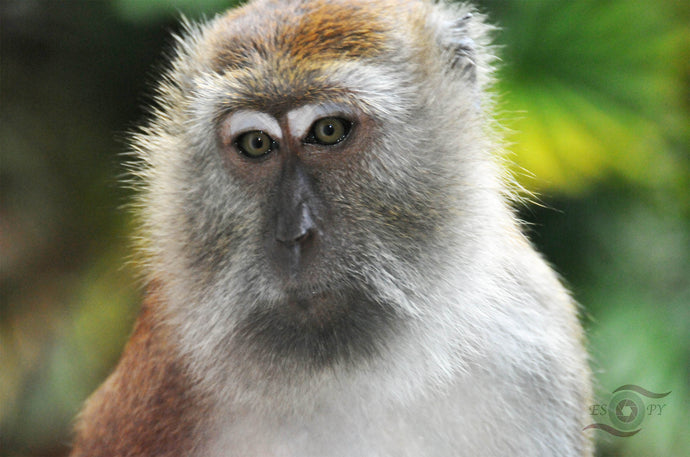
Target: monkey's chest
x=353 y=428
x=336 y=435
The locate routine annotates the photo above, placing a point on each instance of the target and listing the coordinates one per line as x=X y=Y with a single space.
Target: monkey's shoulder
x=147 y=406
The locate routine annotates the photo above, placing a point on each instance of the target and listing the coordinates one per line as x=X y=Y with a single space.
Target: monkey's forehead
x=271 y=55
x=306 y=33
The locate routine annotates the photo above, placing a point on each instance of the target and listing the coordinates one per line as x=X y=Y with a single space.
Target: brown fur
x=294 y=46
x=146 y=407
x=329 y=31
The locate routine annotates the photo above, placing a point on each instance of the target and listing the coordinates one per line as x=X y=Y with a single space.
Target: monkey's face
x=290 y=165
x=310 y=184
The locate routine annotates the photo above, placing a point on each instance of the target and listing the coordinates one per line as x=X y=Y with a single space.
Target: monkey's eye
x=254 y=144
x=328 y=131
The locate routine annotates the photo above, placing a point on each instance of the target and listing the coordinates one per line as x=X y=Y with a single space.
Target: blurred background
x=595 y=99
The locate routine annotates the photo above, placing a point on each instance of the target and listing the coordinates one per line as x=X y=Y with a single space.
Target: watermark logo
x=626 y=410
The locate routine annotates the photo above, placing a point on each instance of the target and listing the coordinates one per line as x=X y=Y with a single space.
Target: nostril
x=294 y=238
x=295 y=227
x=303 y=237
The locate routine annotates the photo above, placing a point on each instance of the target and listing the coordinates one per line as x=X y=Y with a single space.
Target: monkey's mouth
x=317 y=307
x=318 y=328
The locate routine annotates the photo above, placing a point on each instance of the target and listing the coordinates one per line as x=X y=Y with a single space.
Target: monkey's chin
x=318 y=329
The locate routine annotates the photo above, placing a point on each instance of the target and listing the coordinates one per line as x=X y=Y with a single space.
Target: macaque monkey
x=333 y=265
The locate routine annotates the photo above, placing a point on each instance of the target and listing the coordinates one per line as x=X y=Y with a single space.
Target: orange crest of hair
x=304 y=33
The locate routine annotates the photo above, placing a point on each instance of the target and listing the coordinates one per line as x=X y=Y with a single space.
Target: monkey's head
x=315 y=171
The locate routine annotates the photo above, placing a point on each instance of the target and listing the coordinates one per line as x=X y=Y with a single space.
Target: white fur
x=245 y=121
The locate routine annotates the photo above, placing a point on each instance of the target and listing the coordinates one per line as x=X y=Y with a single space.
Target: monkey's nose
x=295 y=226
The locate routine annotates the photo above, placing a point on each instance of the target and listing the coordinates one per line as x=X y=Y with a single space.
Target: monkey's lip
x=322 y=305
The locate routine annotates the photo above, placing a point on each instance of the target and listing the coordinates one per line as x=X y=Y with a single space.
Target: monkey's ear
x=460 y=48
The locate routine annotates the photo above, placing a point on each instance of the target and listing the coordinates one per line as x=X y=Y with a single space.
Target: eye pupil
x=257 y=142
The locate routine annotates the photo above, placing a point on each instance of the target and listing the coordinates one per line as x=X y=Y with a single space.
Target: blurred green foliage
x=602 y=86
x=595 y=98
